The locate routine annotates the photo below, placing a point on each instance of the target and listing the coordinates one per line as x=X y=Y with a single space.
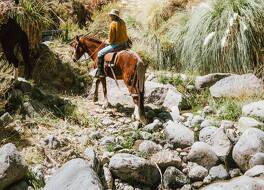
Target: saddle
x=110 y=58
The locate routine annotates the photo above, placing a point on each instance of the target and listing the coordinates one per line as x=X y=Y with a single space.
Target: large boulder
x=174 y=178
x=209 y=80
x=179 y=135
x=251 y=142
x=237 y=86
x=255 y=109
x=202 y=154
x=134 y=169
x=221 y=144
x=75 y=174
x=12 y=167
x=166 y=158
x=248 y=122
x=239 y=183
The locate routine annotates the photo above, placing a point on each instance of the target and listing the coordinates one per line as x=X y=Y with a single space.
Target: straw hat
x=114 y=12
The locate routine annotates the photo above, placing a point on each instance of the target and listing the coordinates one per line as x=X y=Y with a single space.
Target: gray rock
x=209 y=80
x=149 y=147
x=145 y=135
x=154 y=126
x=197 y=184
x=30 y=110
x=235 y=172
x=155 y=93
x=237 y=86
x=206 y=134
x=226 y=124
x=108 y=177
x=5 y=119
x=255 y=109
x=75 y=174
x=209 y=123
x=186 y=187
x=179 y=135
x=239 y=183
x=172 y=99
x=250 y=143
x=218 y=172
x=256 y=171
x=257 y=159
x=207 y=110
x=202 y=154
x=197 y=120
x=248 y=122
x=12 y=167
x=134 y=169
x=174 y=178
x=166 y=158
x=105 y=158
x=197 y=173
x=221 y=144
x=91 y=157
x=107 y=140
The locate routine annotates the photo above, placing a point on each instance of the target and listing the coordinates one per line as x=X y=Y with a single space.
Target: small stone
x=166 y=158
x=154 y=126
x=197 y=184
x=145 y=135
x=257 y=159
x=108 y=177
x=247 y=122
x=218 y=172
x=5 y=119
x=186 y=187
x=197 y=173
x=149 y=147
x=235 y=173
x=208 y=179
x=174 y=178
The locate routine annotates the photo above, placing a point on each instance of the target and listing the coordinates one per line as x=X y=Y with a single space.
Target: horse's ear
x=77 y=38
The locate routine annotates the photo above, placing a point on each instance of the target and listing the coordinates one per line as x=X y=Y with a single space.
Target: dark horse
x=11 y=35
x=127 y=67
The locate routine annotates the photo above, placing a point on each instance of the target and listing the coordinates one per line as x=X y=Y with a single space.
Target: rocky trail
x=106 y=149
x=204 y=132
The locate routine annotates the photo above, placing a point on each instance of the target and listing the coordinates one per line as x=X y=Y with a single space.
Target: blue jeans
x=107 y=49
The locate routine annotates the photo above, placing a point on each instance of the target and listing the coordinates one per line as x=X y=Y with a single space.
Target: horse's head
x=79 y=48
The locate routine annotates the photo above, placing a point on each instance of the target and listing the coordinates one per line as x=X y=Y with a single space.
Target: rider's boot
x=100 y=70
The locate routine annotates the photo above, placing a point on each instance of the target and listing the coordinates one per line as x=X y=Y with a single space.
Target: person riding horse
x=118 y=40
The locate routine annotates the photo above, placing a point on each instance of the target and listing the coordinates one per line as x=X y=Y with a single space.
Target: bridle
x=88 y=50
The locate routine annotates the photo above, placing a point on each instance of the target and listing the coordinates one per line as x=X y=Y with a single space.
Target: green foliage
x=228 y=109
x=34 y=17
x=35 y=181
x=128 y=144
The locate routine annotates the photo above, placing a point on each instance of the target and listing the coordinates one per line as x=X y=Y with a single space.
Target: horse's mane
x=93 y=39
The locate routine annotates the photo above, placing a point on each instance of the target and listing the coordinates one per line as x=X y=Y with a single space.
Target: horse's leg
x=10 y=56
x=106 y=102
x=24 y=45
x=97 y=82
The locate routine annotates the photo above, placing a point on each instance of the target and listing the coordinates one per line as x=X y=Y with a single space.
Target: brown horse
x=128 y=67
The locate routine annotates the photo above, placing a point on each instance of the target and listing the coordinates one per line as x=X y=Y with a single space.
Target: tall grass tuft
x=33 y=17
x=224 y=36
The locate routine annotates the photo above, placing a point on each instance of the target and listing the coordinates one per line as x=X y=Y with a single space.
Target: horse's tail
x=24 y=45
x=140 y=84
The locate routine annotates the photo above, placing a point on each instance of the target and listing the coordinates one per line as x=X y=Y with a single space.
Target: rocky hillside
x=205 y=132
x=197 y=136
